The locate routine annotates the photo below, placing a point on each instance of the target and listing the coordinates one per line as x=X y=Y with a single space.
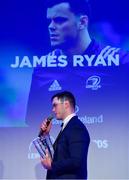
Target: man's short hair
x=78 y=7
x=66 y=95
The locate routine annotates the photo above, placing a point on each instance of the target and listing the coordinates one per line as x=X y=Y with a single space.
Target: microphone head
x=49 y=118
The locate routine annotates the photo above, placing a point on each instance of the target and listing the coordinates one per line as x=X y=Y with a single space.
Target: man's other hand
x=46 y=161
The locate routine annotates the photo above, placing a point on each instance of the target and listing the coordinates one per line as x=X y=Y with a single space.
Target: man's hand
x=46 y=161
x=46 y=128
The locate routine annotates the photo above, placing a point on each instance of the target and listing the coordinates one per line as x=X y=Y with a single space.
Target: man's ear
x=83 y=21
x=67 y=104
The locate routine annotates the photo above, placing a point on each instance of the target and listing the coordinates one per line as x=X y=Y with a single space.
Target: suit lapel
x=56 y=141
x=61 y=131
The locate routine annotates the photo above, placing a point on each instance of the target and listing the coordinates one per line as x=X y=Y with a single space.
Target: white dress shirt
x=67 y=119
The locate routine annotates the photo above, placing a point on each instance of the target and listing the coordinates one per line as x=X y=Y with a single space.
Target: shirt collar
x=67 y=119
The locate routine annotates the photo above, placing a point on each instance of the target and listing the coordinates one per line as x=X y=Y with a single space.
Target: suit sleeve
x=78 y=142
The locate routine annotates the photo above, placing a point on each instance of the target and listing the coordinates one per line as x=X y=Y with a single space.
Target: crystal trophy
x=43 y=142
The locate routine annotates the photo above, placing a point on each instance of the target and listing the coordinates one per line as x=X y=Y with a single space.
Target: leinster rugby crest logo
x=93 y=82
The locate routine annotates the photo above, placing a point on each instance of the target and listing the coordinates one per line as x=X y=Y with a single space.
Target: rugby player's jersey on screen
x=98 y=79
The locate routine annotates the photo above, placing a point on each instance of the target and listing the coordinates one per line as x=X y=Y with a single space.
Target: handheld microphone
x=48 y=122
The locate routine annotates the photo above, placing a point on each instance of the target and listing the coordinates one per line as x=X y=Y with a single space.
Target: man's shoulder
x=76 y=130
x=75 y=122
x=107 y=51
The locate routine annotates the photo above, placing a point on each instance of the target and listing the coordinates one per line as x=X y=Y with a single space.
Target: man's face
x=58 y=107
x=63 y=25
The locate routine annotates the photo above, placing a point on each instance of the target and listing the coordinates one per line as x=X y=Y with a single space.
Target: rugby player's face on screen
x=62 y=25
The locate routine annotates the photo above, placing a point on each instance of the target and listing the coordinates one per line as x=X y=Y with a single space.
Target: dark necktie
x=62 y=126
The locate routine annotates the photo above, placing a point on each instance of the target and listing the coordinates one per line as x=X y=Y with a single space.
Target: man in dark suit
x=71 y=146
